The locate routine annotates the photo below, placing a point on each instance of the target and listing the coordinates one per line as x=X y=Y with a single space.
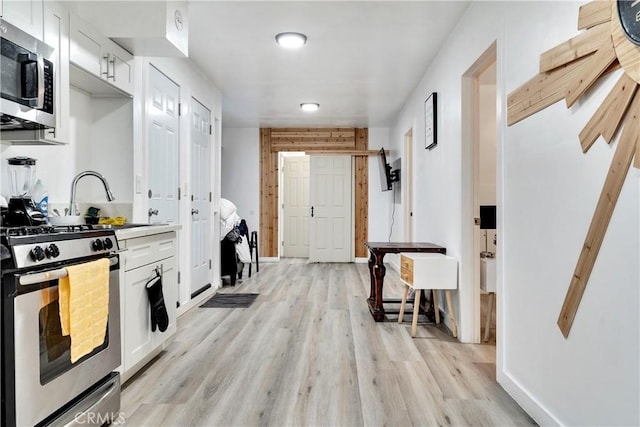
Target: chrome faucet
x=72 y=203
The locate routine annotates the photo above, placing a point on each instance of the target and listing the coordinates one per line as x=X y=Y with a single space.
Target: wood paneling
x=586 y=75
x=361 y=194
x=541 y=91
x=608 y=117
x=268 y=196
x=348 y=141
x=577 y=47
x=618 y=172
x=594 y=13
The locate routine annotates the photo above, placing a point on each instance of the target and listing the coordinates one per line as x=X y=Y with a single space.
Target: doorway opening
x=479 y=160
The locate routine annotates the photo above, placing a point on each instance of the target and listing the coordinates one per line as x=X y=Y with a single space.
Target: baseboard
x=198 y=300
x=269 y=259
x=528 y=402
x=361 y=260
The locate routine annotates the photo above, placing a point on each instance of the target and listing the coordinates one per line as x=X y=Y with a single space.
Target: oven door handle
x=32 y=279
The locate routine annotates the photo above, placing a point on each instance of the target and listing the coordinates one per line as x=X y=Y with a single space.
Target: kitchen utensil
x=22 y=173
x=66 y=220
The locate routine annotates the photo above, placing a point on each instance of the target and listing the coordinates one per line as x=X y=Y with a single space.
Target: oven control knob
x=108 y=244
x=97 y=245
x=52 y=251
x=37 y=254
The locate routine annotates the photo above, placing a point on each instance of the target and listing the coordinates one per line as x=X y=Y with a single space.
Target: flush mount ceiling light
x=309 y=106
x=291 y=40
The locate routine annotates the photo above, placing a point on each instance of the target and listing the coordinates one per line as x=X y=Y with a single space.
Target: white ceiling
x=361 y=61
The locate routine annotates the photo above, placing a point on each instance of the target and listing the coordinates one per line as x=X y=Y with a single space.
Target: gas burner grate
x=72 y=228
x=27 y=230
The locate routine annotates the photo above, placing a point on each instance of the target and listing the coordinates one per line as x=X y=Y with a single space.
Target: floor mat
x=230 y=301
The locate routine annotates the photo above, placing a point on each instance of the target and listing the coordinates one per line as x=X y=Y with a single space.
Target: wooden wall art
x=610 y=39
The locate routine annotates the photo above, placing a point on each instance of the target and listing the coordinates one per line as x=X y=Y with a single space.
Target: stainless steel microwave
x=26 y=81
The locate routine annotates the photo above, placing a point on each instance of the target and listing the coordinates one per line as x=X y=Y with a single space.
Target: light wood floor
x=308 y=353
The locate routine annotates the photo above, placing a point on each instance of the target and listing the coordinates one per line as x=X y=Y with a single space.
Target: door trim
x=469 y=285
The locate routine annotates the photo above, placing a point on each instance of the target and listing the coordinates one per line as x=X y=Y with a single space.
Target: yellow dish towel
x=84 y=306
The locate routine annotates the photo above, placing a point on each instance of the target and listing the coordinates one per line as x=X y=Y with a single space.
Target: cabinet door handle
x=106 y=61
x=113 y=69
x=311 y=211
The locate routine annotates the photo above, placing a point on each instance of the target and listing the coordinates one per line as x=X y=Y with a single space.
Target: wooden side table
x=428 y=271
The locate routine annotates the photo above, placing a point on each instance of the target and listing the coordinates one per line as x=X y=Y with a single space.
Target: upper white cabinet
x=94 y=53
x=144 y=28
x=24 y=14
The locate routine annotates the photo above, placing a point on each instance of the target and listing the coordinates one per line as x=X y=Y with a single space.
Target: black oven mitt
x=159 y=315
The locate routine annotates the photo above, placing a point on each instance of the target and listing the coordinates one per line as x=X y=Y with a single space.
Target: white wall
x=101 y=139
x=380 y=202
x=546 y=194
x=241 y=172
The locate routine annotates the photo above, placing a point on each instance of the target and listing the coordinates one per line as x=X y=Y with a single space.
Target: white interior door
x=200 y=196
x=296 y=207
x=330 y=225
x=163 y=142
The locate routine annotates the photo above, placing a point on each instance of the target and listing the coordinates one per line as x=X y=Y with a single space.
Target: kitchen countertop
x=130 y=232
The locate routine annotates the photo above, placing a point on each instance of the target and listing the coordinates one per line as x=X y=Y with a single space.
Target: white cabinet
x=24 y=14
x=56 y=35
x=95 y=54
x=429 y=271
x=140 y=260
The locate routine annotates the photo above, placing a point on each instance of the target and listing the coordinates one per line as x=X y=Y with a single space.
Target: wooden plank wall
x=361 y=184
x=310 y=140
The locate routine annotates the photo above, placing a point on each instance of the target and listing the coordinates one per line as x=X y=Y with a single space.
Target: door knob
x=153 y=212
x=194 y=211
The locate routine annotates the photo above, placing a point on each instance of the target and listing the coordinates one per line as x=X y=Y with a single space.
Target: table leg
x=487 y=325
x=416 y=308
x=375 y=301
x=372 y=263
x=436 y=304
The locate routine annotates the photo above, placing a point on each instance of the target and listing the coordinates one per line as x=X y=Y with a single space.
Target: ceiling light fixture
x=309 y=106
x=291 y=40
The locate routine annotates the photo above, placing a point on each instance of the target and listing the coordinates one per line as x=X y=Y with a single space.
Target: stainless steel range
x=39 y=382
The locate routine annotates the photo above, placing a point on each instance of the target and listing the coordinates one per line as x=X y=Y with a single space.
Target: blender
x=21 y=209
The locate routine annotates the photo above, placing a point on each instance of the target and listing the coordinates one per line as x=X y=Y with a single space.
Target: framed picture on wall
x=431 y=121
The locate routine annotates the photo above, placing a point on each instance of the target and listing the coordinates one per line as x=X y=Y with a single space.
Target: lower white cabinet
x=140 y=260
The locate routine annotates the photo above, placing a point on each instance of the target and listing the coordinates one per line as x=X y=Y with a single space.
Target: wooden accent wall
x=351 y=141
x=361 y=184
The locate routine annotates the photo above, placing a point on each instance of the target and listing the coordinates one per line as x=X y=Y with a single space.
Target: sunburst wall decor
x=610 y=39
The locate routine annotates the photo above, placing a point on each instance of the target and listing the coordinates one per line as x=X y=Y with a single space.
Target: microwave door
x=32 y=79
x=26 y=81
x=22 y=75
